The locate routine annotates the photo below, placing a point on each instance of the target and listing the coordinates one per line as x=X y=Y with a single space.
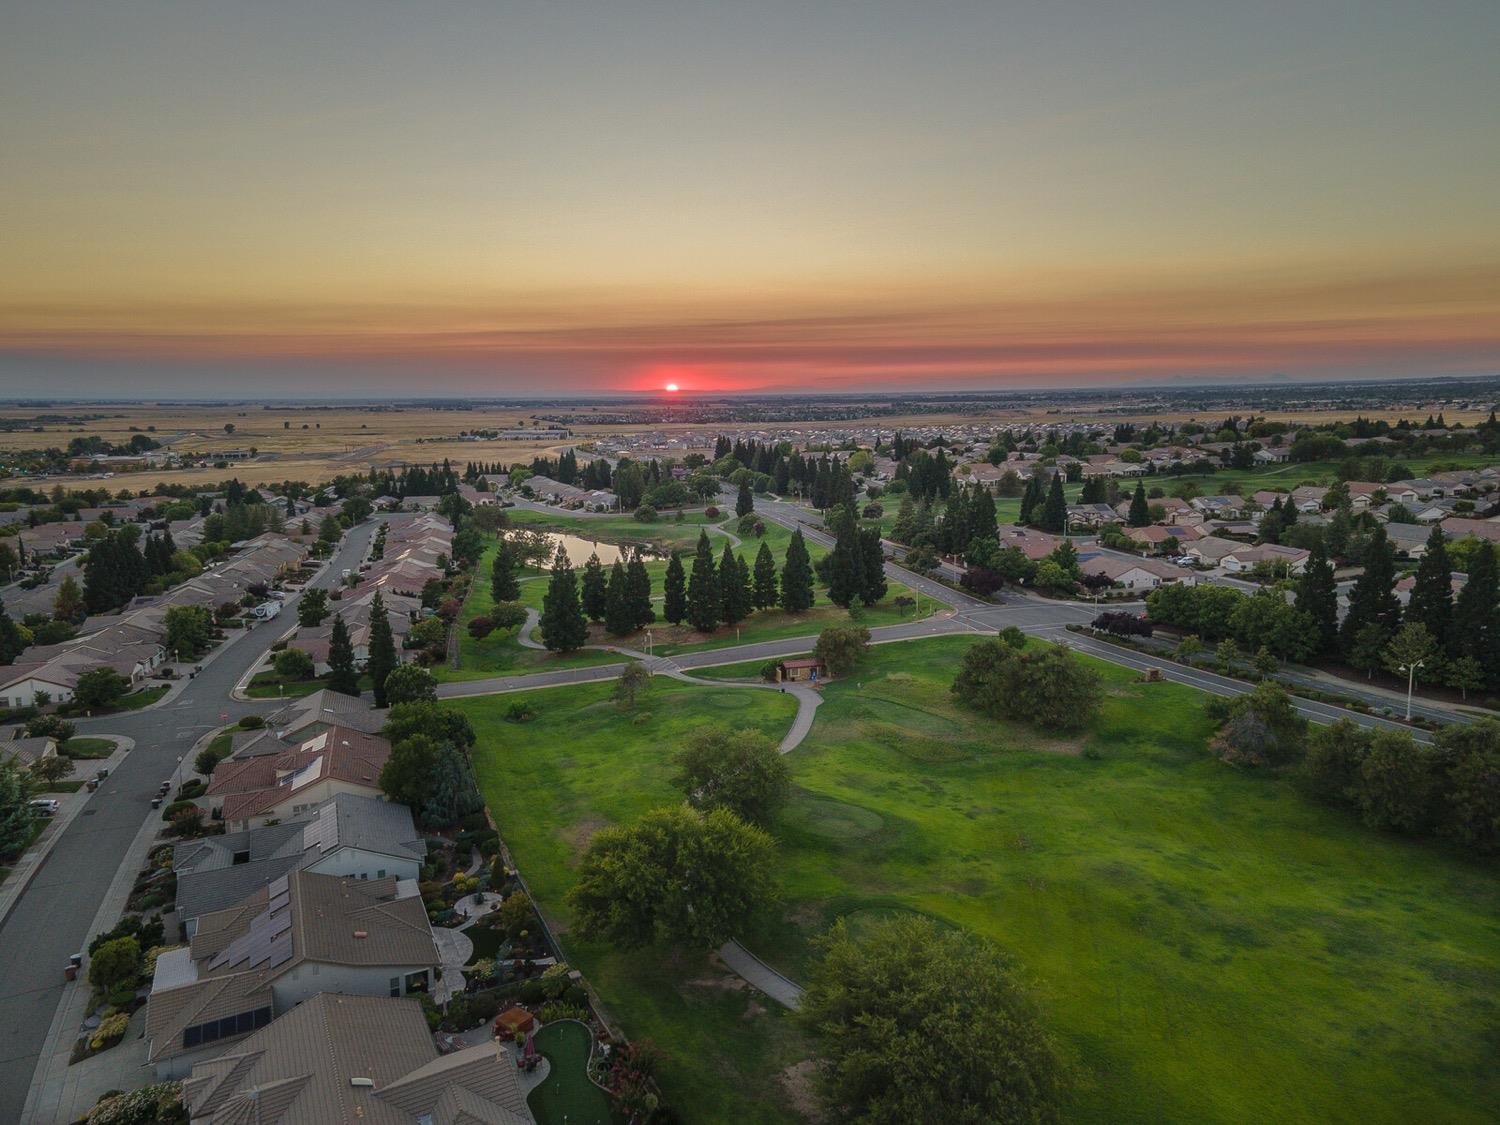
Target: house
x=1456 y=527
x=364 y=1059
x=1210 y=550
x=300 y=935
x=250 y=792
x=1272 y=455
x=1091 y=515
x=800 y=670
x=1409 y=539
x=27 y=752
x=313 y=714
x=1159 y=537
x=350 y=836
x=1244 y=558
x=1309 y=497
x=1035 y=545
x=1133 y=573
x=1220 y=507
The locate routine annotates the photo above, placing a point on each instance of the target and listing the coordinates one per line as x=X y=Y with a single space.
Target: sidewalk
x=30 y=863
x=61 y=1093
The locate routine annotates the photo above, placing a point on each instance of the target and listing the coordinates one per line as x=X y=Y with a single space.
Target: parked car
x=45 y=807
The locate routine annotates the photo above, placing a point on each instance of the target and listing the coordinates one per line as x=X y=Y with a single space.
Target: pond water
x=579 y=549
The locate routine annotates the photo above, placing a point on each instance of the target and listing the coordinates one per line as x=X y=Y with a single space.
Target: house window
x=380 y=874
x=416 y=982
x=395 y=986
x=241 y=857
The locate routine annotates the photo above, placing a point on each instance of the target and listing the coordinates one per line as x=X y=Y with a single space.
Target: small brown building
x=805 y=668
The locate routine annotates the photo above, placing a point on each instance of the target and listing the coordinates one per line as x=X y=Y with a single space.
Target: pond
x=579 y=549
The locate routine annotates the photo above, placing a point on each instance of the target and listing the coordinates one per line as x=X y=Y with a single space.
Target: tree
x=1187 y=648
x=703 y=599
x=1140 y=511
x=16 y=823
x=744 y=503
x=734 y=589
x=1226 y=656
x=1373 y=599
x=1054 y=516
x=1431 y=601
x=797 y=576
x=1317 y=596
x=12 y=640
x=1470 y=810
x=115 y=963
x=1466 y=674
x=638 y=591
x=1259 y=728
x=1265 y=662
x=742 y=771
x=675 y=876
x=1475 y=630
x=452 y=790
x=313 y=608
x=1330 y=764
x=342 y=675
x=563 y=627
x=616 y=607
x=504 y=585
x=634 y=680
x=674 y=592
x=293 y=664
x=409 y=683
x=1046 y=685
x=407 y=775
x=1397 y=788
x=99 y=688
x=595 y=589
x=190 y=629
x=68 y=604
x=1412 y=645
x=912 y=1016
x=763 y=592
x=382 y=659
x=426 y=717
x=842 y=647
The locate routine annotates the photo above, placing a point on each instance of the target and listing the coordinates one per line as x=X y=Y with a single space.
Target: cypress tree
x=1031 y=499
x=743 y=590
x=342 y=676
x=593 y=598
x=504 y=586
x=1317 y=596
x=797 y=576
x=1475 y=631
x=872 y=570
x=763 y=593
x=703 y=589
x=12 y=642
x=563 y=626
x=983 y=523
x=744 y=503
x=638 y=591
x=674 y=592
x=1140 y=511
x=1431 y=601
x=1373 y=599
x=617 y=603
x=1054 y=516
x=730 y=599
x=845 y=564
x=382 y=660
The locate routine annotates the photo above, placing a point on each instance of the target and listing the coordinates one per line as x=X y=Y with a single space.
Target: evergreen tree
x=12 y=641
x=763 y=592
x=744 y=503
x=872 y=569
x=453 y=790
x=68 y=605
x=983 y=523
x=1431 y=601
x=845 y=566
x=382 y=660
x=1317 y=596
x=617 y=619
x=732 y=601
x=906 y=521
x=797 y=576
x=1140 y=511
x=1373 y=599
x=594 y=588
x=342 y=676
x=16 y=819
x=1031 y=499
x=504 y=586
x=638 y=591
x=1054 y=515
x=674 y=592
x=563 y=626
x=703 y=602
x=1475 y=631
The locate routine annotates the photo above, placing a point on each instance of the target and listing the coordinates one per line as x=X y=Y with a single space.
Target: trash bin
x=70 y=973
x=156 y=802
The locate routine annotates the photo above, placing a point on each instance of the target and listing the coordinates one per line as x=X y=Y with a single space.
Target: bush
x=160 y=1104
x=252 y=722
x=117 y=962
x=1122 y=624
x=533 y=992
x=520 y=712
x=711 y=513
x=50 y=726
x=175 y=807
x=110 y=1030
x=646 y=513
x=294 y=664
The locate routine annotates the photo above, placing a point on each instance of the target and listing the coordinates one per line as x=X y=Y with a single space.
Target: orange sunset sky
x=230 y=199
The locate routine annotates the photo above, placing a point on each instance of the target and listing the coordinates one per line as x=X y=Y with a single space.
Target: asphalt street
x=52 y=918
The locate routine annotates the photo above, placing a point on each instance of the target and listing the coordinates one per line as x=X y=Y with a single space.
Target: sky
x=490 y=199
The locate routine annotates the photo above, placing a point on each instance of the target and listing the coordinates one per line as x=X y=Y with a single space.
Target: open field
x=1208 y=946
x=582 y=764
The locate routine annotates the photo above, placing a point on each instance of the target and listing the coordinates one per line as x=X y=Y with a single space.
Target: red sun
x=671 y=388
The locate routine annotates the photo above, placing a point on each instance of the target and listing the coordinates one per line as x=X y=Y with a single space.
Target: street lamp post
x=1411 y=675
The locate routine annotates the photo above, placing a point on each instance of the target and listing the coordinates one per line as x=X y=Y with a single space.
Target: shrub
x=646 y=513
x=294 y=664
x=711 y=513
x=168 y=813
x=533 y=992
x=110 y=1029
x=160 y=1104
x=252 y=722
x=520 y=712
x=559 y=1010
x=116 y=962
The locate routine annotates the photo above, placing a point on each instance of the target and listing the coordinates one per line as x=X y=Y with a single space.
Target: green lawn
x=566 y=1096
x=1208 y=946
x=581 y=764
x=87 y=747
x=143 y=698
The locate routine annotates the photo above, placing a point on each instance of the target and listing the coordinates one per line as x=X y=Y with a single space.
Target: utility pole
x=1411 y=675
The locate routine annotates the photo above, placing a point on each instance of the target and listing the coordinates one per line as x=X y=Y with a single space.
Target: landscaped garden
x=1207 y=944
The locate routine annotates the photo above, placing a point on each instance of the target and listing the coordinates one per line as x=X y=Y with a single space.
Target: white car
x=44 y=806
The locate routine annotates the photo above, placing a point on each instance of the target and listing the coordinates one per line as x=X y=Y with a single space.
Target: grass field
x=79 y=747
x=1209 y=946
x=582 y=764
x=566 y=1096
